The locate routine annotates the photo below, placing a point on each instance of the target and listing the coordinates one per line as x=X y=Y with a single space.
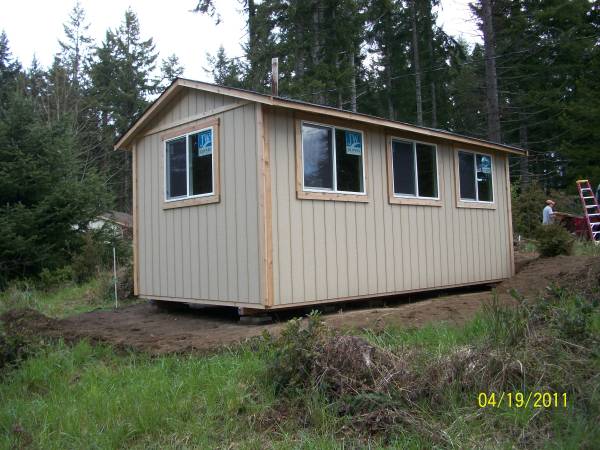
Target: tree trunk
x=433 y=106
x=432 y=68
x=416 y=63
x=388 y=83
x=524 y=162
x=299 y=63
x=318 y=14
x=491 y=79
x=252 y=46
x=353 y=83
x=340 y=100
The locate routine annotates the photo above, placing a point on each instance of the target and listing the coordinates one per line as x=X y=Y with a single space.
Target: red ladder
x=590 y=209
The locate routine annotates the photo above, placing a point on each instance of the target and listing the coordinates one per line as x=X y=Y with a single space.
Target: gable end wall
x=206 y=253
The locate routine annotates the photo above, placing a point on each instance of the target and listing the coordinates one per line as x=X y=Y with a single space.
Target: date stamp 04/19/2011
x=523 y=400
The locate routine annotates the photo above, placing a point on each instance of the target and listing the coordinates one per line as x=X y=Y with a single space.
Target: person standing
x=548 y=212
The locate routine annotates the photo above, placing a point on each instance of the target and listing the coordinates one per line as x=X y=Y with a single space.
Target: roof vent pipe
x=274 y=77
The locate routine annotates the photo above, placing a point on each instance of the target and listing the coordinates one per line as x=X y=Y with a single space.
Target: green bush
x=51 y=279
x=95 y=255
x=87 y=263
x=527 y=205
x=19 y=294
x=554 y=240
x=13 y=349
x=294 y=353
x=46 y=202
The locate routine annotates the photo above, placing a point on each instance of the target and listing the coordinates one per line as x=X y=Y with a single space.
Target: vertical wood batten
x=232 y=136
x=295 y=220
x=153 y=225
x=136 y=260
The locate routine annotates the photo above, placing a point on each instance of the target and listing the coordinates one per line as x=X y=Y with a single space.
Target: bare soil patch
x=146 y=328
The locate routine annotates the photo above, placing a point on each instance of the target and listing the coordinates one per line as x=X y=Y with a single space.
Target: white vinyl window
x=414 y=169
x=189 y=165
x=476 y=180
x=332 y=159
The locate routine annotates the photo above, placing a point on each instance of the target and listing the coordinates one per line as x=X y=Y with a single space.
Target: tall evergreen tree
x=44 y=203
x=122 y=80
x=224 y=70
x=170 y=68
x=9 y=71
x=76 y=46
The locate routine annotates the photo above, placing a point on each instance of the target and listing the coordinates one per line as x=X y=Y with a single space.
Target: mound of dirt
x=144 y=327
x=576 y=272
x=29 y=321
x=585 y=279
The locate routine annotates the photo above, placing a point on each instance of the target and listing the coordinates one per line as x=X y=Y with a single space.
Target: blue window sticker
x=205 y=143
x=486 y=164
x=353 y=143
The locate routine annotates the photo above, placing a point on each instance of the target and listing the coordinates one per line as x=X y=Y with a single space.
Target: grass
x=91 y=396
x=66 y=300
x=585 y=248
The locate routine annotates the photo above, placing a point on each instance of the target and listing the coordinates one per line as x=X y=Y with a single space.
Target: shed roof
x=179 y=84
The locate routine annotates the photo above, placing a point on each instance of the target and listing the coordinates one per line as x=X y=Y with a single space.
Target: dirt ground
x=145 y=327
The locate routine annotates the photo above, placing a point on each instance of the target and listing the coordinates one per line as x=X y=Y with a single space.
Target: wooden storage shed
x=256 y=201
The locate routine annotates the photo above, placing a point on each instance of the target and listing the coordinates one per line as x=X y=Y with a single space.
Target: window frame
x=407 y=199
x=310 y=193
x=185 y=131
x=474 y=203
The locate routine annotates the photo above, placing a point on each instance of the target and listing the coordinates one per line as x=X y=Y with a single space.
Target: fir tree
x=170 y=68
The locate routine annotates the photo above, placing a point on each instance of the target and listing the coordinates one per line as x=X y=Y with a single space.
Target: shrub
x=96 y=254
x=88 y=262
x=554 y=240
x=528 y=203
x=295 y=352
x=527 y=209
x=50 y=279
x=45 y=200
x=13 y=349
x=125 y=281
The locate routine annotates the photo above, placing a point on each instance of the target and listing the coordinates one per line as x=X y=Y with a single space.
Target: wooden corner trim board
x=265 y=204
x=510 y=223
x=473 y=204
x=395 y=200
x=301 y=194
x=186 y=202
x=136 y=263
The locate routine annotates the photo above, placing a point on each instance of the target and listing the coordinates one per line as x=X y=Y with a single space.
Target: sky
x=175 y=29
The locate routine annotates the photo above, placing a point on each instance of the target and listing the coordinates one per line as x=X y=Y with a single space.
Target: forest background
x=533 y=83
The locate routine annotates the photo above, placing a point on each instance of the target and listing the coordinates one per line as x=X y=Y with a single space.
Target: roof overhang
x=179 y=84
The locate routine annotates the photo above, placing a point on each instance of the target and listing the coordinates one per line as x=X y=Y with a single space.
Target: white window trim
x=414 y=147
x=187 y=166
x=334 y=150
x=476 y=200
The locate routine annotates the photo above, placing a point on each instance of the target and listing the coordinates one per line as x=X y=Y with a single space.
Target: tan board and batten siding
x=208 y=252
x=328 y=250
x=260 y=246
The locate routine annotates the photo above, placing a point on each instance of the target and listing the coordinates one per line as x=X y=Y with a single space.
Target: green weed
x=69 y=299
